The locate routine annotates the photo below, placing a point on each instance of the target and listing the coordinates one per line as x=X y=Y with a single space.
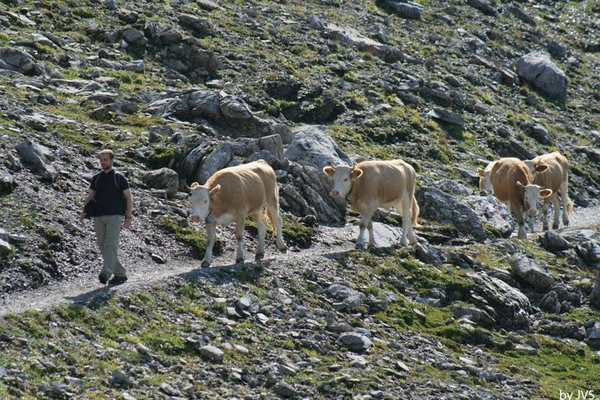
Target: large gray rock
x=7 y=183
x=447 y=209
x=220 y=158
x=312 y=146
x=355 y=342
x=493 y=213
x=226 y=115
x=164 y=178
x=586 y=244
x=34 y=156
x=508 y=307
x=538 y=70
x=309 y=195
x=17 y=60
x=162 y=34
x=402 y=8
x=531 y=272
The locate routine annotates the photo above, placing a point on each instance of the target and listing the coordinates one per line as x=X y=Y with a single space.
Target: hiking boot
x=117 y=280
x=103 y=278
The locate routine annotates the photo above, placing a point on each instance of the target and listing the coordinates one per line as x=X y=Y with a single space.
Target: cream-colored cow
x=556 y=177
x=510 y=180
x=374 y=184
x=231 y=195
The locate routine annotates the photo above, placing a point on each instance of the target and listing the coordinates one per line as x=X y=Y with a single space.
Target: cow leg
x=275 y=217
x=211 y=232
x=556 y=205
x=407 y=228
x=545 y=213
x=262 y=232
x=239 y=237
x=564 y=195
x=365 y=222
x=531 y=224
x=520 y=218
x=522 y=232
x=372 y=243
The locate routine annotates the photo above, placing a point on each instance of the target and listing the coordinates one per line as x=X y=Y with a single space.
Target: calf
x=374 y=184
x=510 y=180
x=231 y=195
x=556 y=177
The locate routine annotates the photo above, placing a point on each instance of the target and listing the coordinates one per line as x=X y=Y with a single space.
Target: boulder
x=164 y=178
x=312 y=146
x=529 y=271
x=538 y=70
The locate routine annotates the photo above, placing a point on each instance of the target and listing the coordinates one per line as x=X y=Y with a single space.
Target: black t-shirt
x=109 y=188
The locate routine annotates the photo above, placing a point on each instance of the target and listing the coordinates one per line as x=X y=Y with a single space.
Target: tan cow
x=231 y=195
x=556 y=177
x=510 y=180
x=374 y=184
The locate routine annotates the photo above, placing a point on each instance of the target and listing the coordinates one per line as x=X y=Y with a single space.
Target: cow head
x=485 y=182
x=201 y=198
x=343 y=177
x=531 y=195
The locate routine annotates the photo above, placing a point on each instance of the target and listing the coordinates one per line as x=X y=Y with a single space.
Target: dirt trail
x=86 y=286
x=329 y=240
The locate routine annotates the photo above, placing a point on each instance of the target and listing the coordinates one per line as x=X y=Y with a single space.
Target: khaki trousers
x=108 y=228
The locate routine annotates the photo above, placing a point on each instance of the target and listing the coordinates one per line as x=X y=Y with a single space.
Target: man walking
x=114 y=204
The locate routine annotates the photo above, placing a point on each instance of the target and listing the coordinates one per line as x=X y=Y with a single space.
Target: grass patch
x=196 y=240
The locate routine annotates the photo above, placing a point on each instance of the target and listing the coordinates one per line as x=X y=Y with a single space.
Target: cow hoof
x=205 y=264
x=258 y=257
x=239 y=261
x=282 y=249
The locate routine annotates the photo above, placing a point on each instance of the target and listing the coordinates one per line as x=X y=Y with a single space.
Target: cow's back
x=382 y=181
x=557 y=172
x=246 y=188
x=505 y=174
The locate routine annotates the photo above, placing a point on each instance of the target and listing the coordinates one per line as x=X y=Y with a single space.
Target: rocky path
x=329 y=241
x=86 y=286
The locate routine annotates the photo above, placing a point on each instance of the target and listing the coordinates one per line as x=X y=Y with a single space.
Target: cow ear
x=329 y=170
x=481 y=172
x=541 y=167
x=544 y=193
x=356 y=173
x=194 y=185
x=214 y=190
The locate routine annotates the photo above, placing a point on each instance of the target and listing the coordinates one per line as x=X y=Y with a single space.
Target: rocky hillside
x=181 y=89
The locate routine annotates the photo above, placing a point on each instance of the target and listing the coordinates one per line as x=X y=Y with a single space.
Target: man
x=114 y=207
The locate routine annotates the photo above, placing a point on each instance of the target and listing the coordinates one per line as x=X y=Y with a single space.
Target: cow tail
x=414 y=212
x=272 y=219
x=569 y=206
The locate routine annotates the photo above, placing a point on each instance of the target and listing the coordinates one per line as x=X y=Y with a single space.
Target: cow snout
x=532 y=212
x=195 y=218
x=335 y=194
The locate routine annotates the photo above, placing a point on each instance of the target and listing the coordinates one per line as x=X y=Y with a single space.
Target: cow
x=511 y=181
x=556 y=177
x=231 y=195
x=374 y=184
